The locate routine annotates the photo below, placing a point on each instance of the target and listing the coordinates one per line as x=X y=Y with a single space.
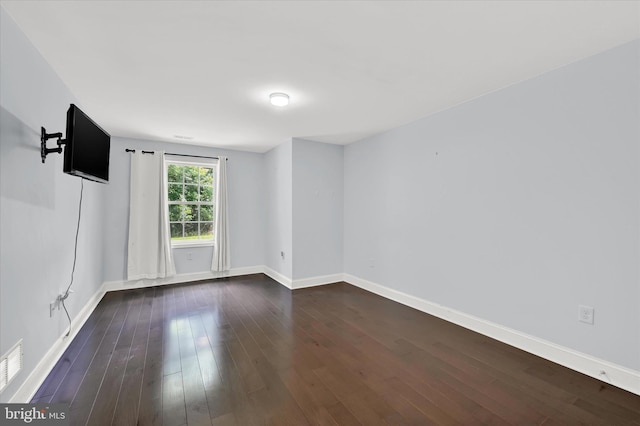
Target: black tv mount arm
x=44 y=137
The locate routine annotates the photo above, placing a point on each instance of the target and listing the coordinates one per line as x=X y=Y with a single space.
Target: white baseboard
x=316 y=281
x=277 y=276
x=292 y=284
x=30 y=386
x=605 y=371
x=181 y=278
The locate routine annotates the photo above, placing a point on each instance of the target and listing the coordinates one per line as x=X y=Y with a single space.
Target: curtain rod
x=170 y=153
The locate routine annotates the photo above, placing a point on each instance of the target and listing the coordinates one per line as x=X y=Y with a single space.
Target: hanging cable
x=75 y=257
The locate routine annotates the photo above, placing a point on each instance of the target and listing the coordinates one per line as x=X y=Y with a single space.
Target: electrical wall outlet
x=585 y=314
x=189 y=255
x=282 y=255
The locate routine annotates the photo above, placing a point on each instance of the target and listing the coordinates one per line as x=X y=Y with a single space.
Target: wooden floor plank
x=150 y=403
x=91 y=384
x=171 y=349
x=126 y=410
x=247 y=351
x=174 y=411
x=106 y=399
x=195 y=399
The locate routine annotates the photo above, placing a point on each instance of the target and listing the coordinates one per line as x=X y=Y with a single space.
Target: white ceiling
x=155 y=69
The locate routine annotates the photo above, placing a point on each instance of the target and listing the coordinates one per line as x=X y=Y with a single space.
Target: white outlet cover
x=586 y=314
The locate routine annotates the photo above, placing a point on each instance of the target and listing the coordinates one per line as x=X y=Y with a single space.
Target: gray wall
x=246 y=209
x=515 y=207
x=279 y=209
x=318 y=182
x=39 y=207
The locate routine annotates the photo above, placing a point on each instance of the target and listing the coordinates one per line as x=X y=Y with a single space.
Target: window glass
x=191 y=202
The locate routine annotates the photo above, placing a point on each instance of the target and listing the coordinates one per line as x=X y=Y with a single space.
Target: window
x=191 y=202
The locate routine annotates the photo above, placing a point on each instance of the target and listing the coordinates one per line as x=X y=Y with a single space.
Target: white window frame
x=212 y=165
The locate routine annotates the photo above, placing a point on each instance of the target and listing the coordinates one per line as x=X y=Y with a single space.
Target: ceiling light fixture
x=279 y=99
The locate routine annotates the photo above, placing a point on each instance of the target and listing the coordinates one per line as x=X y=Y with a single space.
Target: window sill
x=192 y=244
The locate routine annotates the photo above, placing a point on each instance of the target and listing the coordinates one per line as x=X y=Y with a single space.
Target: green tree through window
x=191 y=202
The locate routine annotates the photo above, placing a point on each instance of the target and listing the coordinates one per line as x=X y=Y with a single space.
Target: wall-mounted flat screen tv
x=86 y=151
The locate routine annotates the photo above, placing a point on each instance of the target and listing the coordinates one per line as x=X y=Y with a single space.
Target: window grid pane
x=191 y=202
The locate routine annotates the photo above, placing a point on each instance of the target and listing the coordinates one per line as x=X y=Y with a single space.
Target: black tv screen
x=86 y=151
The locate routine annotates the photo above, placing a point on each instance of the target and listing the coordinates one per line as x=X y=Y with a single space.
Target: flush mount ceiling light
x=279 y=99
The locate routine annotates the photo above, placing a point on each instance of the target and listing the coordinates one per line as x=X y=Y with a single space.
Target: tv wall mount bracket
x=44 y=137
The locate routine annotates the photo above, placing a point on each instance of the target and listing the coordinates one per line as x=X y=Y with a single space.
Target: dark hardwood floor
x=247 y=351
